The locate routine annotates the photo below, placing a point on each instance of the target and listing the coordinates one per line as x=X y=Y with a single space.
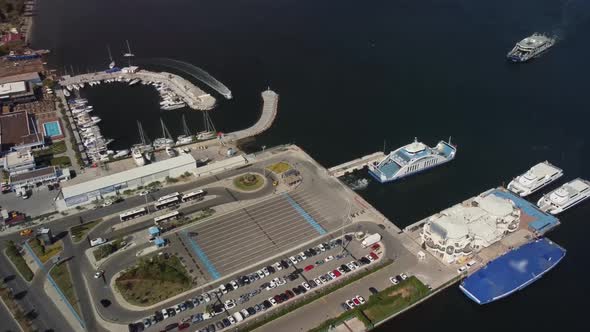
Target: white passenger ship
x=565 y=196
x=411 y=159
x=535 y=178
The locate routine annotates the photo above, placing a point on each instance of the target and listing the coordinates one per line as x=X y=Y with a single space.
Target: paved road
x=34 y=301
x=8 y=323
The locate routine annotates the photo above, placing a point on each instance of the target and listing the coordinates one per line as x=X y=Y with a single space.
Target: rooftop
x=38 y=173
x=121 y=177
x=12 y=88
x=30 y=76
x=19 y=158
x=15 y=129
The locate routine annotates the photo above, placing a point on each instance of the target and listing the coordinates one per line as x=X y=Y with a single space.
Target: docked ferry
x=411 y=159
x=535 y=178
x=530 y=47
x=513 y=271
x=565 y=196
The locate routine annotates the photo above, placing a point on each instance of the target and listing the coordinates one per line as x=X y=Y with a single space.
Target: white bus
x=166 y=203
x=128 y=215
x=167 y=217
x=193 y=195
x=172 y=195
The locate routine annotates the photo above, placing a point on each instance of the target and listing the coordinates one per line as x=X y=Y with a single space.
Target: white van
x=97 y=241
x=238 y=317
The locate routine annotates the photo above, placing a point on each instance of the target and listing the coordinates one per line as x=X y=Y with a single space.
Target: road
x=9 y=324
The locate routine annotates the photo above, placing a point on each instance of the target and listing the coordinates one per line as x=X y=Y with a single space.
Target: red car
x=374 y=255
x=278 y=299
x=356 y=301
x=289 y=294
x=337 y=273
x=183 y=326
x=376 y=246
x=308 y=268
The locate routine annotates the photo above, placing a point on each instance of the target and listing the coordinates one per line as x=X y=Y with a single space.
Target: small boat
x=66 y=93
x=565 y=196
x=121 y=154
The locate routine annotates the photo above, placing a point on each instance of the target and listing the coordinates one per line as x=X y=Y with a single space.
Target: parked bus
x=172 y=195
x=167 y=217
x=166 y=203
x=193 y=195
x=133 y=214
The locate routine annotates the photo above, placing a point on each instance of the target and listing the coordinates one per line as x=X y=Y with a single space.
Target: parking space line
x=208 y=265
x=305 y=215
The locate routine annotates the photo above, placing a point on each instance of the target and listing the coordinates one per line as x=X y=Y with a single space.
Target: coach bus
x=167 y=203
x=167 y=217
x=128 y=215
x=193 y=195
x=172 y=195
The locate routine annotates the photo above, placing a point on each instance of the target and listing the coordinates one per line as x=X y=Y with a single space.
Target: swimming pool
x=52 y=129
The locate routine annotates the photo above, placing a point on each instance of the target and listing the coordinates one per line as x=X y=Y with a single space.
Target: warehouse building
x=87 y=192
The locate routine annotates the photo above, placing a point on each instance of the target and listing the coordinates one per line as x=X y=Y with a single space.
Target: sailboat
x=209 y=131
x=187 y=138
x=166 y=140
x=112 y=64
x=128 y=54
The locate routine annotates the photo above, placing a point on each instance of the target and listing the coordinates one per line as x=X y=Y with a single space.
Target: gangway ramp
x=356 y=164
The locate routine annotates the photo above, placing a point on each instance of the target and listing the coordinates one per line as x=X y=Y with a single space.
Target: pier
x=355 y=165
x=270 y=103
x=194 y=97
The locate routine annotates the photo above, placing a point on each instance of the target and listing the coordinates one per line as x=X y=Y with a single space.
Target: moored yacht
x=137 y=156
x=535 y=178
x=565 y=196
x=411 y=159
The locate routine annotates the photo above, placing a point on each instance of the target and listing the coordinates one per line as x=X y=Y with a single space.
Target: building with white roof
x=470 y=226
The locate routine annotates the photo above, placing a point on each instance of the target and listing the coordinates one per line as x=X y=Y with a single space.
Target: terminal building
x=111 y=185
x=470 y=226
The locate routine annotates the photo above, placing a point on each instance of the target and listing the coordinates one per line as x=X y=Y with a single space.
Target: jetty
x=194 y=97
x=356 y=164
x=270 y=103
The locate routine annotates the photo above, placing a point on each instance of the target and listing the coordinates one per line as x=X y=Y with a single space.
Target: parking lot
x=244 y=237
x=272 y=284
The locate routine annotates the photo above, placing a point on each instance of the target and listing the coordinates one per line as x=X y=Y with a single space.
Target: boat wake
x=193 y=71
x=573 y=14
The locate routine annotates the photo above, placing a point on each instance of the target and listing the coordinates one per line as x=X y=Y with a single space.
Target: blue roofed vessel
x=513 y=271
x=411 y=159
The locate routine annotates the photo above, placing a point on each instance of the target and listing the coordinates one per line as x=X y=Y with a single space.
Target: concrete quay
x=194 y=97
x=270 y=104
x=356 y=164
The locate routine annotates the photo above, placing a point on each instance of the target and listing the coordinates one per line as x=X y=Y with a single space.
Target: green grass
x=63 y=161
x=18 y=261
x=329 y=289
x=61 y=275
x=382 y=305
x=107 y=249
x=44 y=253
x=249 y=182
x=55 y=148
x=79 y=232
x=153 y=280
x=279 y=167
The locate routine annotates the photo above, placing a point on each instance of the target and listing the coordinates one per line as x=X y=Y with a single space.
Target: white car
x=350 y=304
x=280 y=281
x=306 y=286
x=266 y=272
x=234 y=284
x=318 y=281
x=351 y=267
x=361 y=299
x=260 y=274
x=393 y=280
x=321 y=248
x=271 y=285
x=245 y=313
x=143 y=193
x=293 y=260
x=97 y=241
x=332 y=275
x=354 y=265
x=98 y=274
x=278 y=266
x=461 y=269
x=471 y=263
x=231 y=319
x=272 y=301
x=206 y=297
x=302 y=255
x=329 y=258
x=164 y=313
x=229 y=304
x=223 y=289
x=404 y=276
x=370 y=258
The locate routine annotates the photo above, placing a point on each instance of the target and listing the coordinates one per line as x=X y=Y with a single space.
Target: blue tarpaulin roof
x=154 y=230
x=160 y=242
x=512 y=271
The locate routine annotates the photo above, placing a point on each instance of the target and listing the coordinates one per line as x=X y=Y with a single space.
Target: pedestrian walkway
x=70 y=150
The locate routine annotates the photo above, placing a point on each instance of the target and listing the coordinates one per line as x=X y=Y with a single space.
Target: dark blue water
x=352 y=74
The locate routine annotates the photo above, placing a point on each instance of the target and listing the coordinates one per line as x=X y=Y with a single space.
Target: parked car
x=306 y=286
x=308 y=268
x=183 y=326
x=373 y=290
x=393 y=280
x=361 y=299
x=97 y=241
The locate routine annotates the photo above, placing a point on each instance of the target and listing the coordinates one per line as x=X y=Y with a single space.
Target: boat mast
x=142 y=137
x=112 y=63
x=187 y=132
x=165 y=131
x=209 y=127
x=129 y=54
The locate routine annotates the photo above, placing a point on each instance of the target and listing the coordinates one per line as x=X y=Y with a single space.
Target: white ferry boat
x=565 y=196
x=530 y=47
x=535 y=178
x=411 y=159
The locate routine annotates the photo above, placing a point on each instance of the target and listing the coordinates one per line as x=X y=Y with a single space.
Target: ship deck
x=513 y=271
